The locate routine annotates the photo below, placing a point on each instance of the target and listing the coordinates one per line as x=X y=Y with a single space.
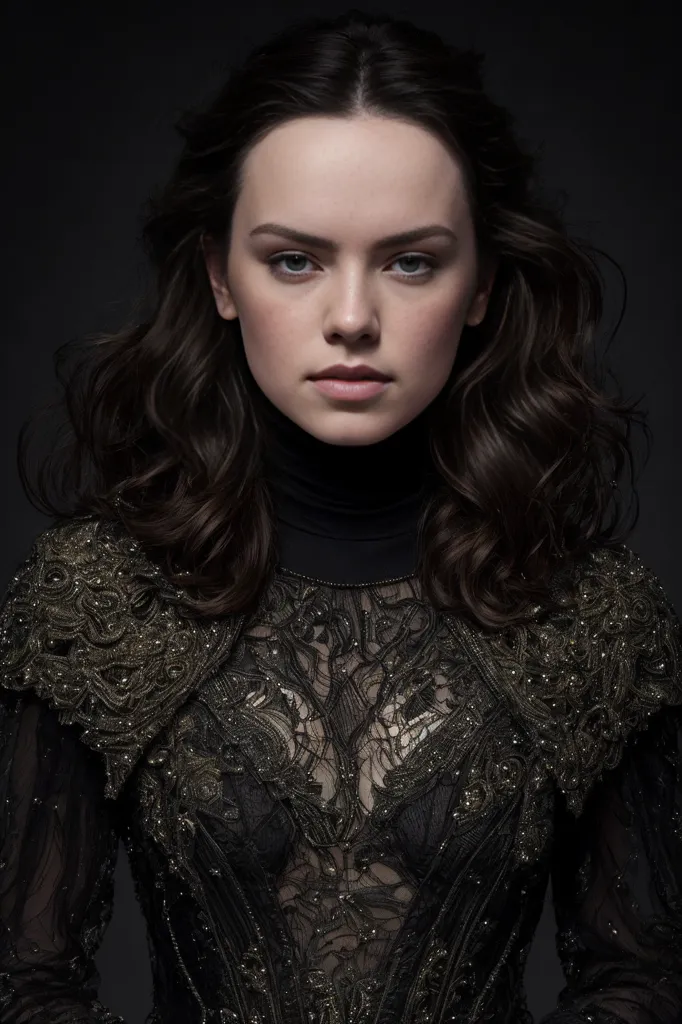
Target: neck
x=346 y=513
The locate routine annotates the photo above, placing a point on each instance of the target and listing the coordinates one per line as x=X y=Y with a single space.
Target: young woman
x=330 y=626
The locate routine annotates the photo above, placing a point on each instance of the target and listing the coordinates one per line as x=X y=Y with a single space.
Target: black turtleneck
x=346 y=513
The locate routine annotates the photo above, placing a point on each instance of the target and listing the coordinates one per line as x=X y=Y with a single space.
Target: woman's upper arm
x=617 y=886
x=58 y=846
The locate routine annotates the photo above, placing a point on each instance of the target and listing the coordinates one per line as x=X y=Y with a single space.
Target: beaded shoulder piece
x=93 y=627
x=90 y=624
x=581 y=682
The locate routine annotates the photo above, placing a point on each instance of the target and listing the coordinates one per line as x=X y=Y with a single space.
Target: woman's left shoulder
x=585 y=678
x=623 y=607
x=623 y=630
x=618 y=565
x=616 y=662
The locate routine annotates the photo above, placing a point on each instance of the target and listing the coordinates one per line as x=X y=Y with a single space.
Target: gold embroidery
x=345 y=802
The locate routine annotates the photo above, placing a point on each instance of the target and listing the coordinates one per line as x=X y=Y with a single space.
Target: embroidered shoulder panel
x=93 y=627
x=90 y=624
x=582 y=682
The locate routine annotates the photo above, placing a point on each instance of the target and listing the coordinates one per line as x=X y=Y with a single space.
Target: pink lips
x=349 y=390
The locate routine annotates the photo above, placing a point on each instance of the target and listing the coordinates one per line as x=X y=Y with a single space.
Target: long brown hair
x=163 y=431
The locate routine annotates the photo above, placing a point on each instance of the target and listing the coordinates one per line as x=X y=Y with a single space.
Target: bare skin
x=351 y=181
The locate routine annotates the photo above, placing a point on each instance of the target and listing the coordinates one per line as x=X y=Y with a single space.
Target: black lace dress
x=344 y=808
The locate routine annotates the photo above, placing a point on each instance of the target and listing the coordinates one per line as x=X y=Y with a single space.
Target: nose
x=352 y=316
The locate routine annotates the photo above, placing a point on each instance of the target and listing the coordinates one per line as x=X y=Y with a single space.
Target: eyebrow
x=402 y=238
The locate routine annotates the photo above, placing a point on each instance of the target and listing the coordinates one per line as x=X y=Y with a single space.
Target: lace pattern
x=345 y=807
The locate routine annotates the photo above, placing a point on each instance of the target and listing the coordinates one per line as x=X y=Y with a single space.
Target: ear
x=479 y=303
x=215 y=260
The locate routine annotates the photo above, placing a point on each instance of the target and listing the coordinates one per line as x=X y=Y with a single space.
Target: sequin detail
x=344 y=808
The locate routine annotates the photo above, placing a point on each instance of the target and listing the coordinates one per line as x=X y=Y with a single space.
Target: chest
x=350 y=725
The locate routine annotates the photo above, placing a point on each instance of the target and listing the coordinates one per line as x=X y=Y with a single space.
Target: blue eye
x=420 y=259
x=275 y=262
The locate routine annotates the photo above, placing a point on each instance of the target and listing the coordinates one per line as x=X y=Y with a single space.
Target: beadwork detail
x=344 y=808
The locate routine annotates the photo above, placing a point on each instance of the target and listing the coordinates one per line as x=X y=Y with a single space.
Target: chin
x=360 y=435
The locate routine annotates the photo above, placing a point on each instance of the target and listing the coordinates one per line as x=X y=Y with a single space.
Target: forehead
x=362 y=169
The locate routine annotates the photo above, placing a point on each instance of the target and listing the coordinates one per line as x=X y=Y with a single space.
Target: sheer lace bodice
x=344 y=808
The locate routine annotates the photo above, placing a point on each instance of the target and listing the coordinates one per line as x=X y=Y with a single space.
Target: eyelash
x=273 y=261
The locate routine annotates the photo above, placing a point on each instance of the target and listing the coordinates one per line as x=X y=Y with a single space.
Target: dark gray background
x=90 y=95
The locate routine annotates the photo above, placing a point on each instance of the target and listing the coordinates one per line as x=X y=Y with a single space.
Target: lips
x=360 y=372
x=349 y=390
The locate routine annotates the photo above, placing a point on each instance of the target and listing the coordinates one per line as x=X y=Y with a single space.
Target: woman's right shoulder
x=71 y=552
x=77 y=542
x=64 y=562
x=90 y=625
x=80 y=578
x=62 y=593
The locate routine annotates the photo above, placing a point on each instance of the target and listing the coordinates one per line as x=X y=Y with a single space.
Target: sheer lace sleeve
x=617 y=885
x=58 y=848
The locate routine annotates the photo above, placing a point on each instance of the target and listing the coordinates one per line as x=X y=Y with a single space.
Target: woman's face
x=350 y=297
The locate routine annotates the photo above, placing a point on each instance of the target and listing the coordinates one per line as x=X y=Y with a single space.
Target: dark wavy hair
x=163 y=431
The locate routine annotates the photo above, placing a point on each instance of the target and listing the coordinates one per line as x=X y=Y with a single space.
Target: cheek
x=270 y=334
x=429 y=343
